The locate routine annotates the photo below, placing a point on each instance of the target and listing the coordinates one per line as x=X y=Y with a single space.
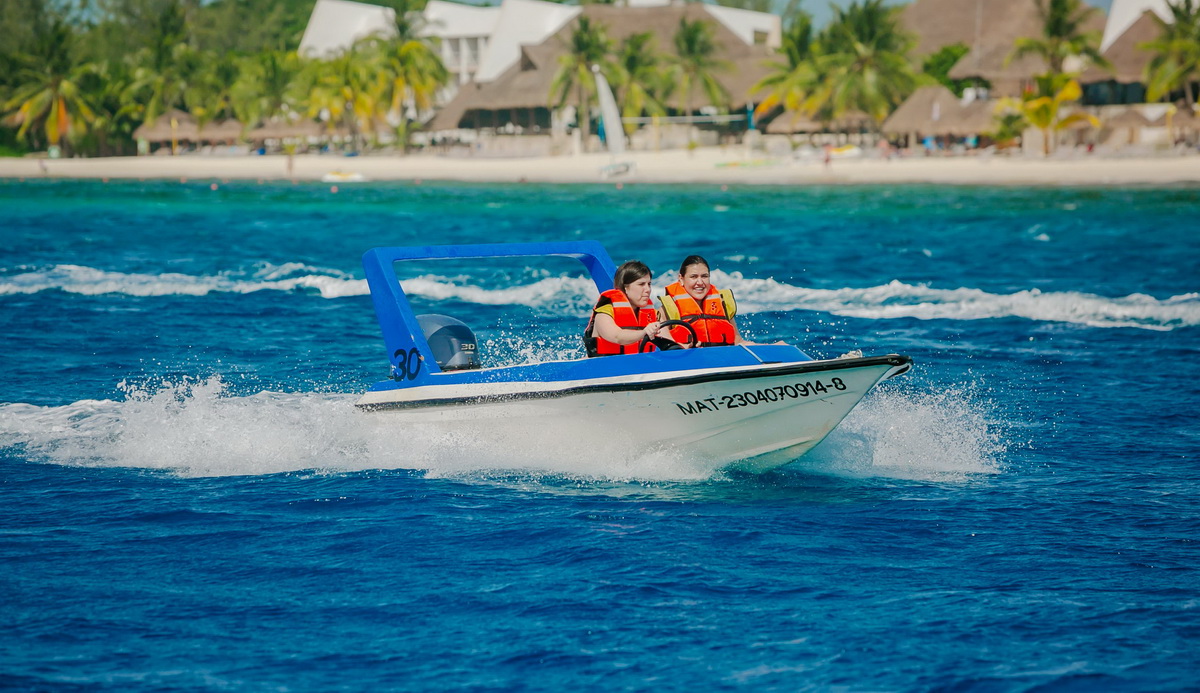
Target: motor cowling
x=451 y=341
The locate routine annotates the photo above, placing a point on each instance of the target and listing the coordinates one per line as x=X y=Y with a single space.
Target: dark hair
x=692 y=260
x=629 y=273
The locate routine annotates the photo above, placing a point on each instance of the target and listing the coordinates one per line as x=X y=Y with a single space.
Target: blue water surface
x=191 y=502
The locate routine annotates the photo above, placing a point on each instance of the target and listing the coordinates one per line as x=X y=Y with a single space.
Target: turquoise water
x=190 y=500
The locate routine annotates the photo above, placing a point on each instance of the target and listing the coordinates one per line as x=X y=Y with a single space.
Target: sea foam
x=196 y=428
x=894 y=299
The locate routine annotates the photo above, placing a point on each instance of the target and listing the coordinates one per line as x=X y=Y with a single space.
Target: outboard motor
x=451 y=341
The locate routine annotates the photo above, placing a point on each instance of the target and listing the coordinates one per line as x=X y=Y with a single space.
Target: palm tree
x=106 y=88
x=210 y=94
x=1043 y=108
x=791 y=82
x=1176 y=64
x=345 y=89
x=165 y=67
x=639 y=81
x=1063 y=35
x=266 y=86
x=588 y=45
x=863 y=63
x=695 y=63
x=409 y=18
x=47 y=99
x=414 y=73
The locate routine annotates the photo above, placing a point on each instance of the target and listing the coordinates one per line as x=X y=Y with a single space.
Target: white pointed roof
x=454 y=19
x=1124 y=13
x=520 y=22
x=336 y=24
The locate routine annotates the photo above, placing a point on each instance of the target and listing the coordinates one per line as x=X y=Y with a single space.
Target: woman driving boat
x=694 y=300
x=624 y=316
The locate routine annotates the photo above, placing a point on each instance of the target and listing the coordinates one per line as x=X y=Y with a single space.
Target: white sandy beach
x=713 y=165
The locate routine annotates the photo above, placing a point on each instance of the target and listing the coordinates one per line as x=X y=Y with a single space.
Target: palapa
x=1182 y=121
x=222 y=131
x=988 y=28
x=927 y=111
x=278 y=130
x=789 y=122
x=1128 y=61
x=1129 y=118
x=162 y=129
x=526 y=85
x=975 y=118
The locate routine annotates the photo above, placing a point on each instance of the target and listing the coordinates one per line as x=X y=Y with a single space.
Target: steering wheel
x=668 y=343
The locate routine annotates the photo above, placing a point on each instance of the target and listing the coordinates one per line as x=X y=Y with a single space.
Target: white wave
x=897 y=433
x=892 y=300
x=90 y=281
x=900 y=300
x=195 y=428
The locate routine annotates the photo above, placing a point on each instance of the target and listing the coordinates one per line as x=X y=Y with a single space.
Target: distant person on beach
x=709 y=310
x=624 y=316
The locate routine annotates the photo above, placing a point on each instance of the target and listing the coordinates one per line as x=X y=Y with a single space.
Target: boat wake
x=196 y=428
x=894 y=299
x=950 y=435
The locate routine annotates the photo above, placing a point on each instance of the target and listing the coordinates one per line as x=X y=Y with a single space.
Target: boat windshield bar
x=408 y=350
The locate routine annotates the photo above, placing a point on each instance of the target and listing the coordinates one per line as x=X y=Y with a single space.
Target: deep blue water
x=190 y=501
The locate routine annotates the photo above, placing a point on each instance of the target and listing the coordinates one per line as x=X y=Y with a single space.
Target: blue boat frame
x=413 y=363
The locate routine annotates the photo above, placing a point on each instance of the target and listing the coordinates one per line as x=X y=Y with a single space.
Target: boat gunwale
x=901 y=362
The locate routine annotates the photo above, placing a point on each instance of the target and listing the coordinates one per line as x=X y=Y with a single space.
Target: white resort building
x=487 y=46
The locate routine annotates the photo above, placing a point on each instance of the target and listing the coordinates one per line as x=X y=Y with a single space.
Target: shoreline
x=731 y=165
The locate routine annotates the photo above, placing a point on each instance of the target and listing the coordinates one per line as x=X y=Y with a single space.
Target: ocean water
x=189 y=500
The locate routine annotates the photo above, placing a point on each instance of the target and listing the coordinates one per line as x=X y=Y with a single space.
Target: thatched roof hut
x=789 y=123
x=935 y=110
x=522 y=93
x=173 y=125
x=1128 y=61
x=221 y=131
x=989 y=28
x=178 y=126
x=278 y=130
x=1180 y=121
x=923 y=111
x=1129 y=118
x=975 y=118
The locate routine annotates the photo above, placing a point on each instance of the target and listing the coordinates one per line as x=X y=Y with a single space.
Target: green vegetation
x=1043 y=108
x=85 y=80
x=640 y=86
x=1176 y=64
x=588 y=45
x=938 y=67
x=696 y=63
x=83 y=75
x=859 y=63
x=1062 y=36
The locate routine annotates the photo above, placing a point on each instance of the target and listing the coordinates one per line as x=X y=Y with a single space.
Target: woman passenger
x=696 y=301
x=624 y=315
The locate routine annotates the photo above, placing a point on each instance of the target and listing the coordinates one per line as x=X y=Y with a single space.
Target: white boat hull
x=754 y=418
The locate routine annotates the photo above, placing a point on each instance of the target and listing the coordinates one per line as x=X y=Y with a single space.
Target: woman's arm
x=607 y=328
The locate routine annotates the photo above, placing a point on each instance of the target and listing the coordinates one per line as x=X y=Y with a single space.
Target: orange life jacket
x=709 y=318
x=626 y=318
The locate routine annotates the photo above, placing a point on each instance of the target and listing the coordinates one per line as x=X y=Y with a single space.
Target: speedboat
x=751 y=407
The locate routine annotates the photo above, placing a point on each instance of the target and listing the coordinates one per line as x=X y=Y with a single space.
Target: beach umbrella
x=225 y=131
x=276 y=130
x=174 y=125
x=1130 y=119
x=928 y=111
